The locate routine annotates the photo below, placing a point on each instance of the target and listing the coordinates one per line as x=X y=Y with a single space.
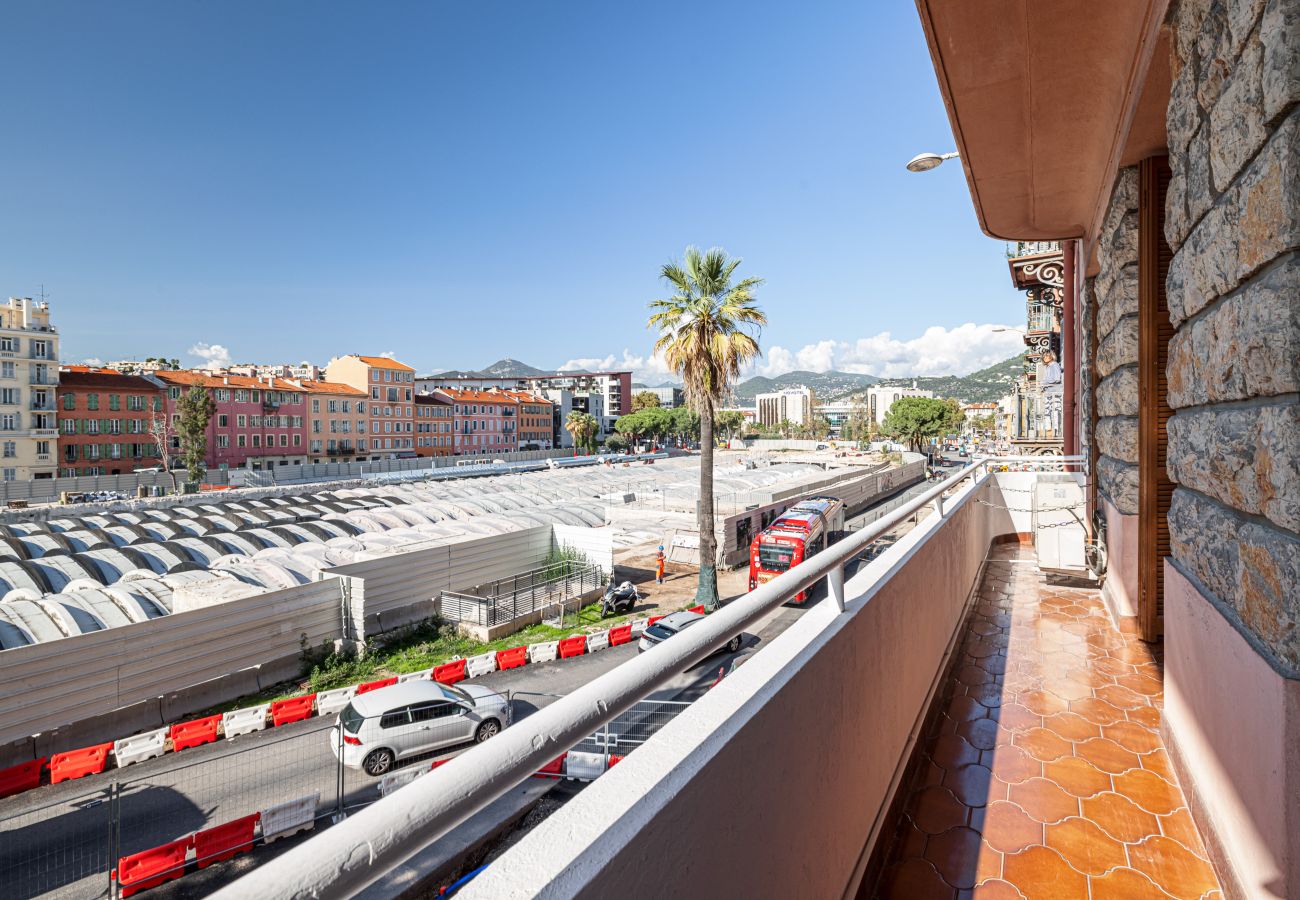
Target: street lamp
x=1002 y=328
x=924 y=162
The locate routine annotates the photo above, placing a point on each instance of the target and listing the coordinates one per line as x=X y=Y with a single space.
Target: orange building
x=536 y=421
x=336 y=422
x=390 y=401
x=434 y=421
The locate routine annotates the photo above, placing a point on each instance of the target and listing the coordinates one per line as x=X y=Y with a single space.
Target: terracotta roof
x=383 y=362
x=86 y=377
x=527 y=397
x=471 y=395
x=432 y=399
x=207 y=379
x=331 y=387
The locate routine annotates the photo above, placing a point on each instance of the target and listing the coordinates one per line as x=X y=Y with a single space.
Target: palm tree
x=582 y=427
x=708 y=331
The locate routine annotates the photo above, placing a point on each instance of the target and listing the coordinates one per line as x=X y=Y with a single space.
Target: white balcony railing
x=349 y=856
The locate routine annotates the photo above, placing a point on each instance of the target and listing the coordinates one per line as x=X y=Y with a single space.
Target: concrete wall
x=596 y=543
x=111 y=683
x=392 y=591
x=768 y=757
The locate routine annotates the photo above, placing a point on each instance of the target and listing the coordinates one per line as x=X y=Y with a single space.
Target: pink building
x=258 y=423
x=483 y=421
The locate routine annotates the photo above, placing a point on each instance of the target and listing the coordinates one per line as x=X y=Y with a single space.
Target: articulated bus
x=803 y=530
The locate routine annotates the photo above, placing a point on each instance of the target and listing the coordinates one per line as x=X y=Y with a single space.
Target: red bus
x=803 y=530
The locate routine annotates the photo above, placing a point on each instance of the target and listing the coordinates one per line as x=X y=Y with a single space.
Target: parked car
x=674 y=623
x=413 y=717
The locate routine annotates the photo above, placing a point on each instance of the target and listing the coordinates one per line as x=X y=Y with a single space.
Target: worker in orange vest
x=659 y=566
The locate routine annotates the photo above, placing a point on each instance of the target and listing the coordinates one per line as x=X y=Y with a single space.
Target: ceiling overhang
x=1042 y=96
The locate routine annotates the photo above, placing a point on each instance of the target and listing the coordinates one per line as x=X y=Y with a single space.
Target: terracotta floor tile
x=955 y=855
x=1141 y=684
x=910 y=840
x=989 y=694
x=1042 y=703
x=973 y=674
x=1013 y=765
x=1173 y=867
x=1042 y=744
x=964 y=709
x=1179 y=826
x=969 y=784
x=1098 y=711
x=981 y=733
x=1107 y=755
x=1121 y=697
x=1132 y=736
x=1149 y=791
x=1158 y=761
x=1043 y=800
x=935 y=810
x=1077 y=776
x=1072 y=726
x=1114 y=667
x=1125 y=884
x=1085 y=846
x=953 y=750
x=996 y=889
x=1008 y=829
x=916 y=879
x=1120 y=817
x=1145 y=715
x=1040 y=873
x=1016 y=717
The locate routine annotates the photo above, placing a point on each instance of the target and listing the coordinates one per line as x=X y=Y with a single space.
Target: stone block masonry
x=1233 y=221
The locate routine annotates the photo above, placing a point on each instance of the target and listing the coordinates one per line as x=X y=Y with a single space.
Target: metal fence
x=65 y=841
x=537 y=590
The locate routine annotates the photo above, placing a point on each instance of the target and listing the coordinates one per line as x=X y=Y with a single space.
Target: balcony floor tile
x=1044 y=775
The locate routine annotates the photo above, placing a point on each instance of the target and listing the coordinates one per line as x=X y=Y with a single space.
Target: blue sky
x=458 y=182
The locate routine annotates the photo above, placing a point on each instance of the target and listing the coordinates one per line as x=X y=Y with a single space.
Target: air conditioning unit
x=1059 y=533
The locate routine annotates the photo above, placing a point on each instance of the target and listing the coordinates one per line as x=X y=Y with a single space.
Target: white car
x=378 y=728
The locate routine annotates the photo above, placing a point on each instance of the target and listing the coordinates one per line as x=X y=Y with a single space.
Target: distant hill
x=827 y=385
x=984 y=386
x=502 y=368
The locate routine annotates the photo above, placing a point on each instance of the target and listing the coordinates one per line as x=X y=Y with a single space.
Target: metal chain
x=1046 y=510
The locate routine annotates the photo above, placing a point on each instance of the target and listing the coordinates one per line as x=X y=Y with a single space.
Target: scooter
x=619 y=599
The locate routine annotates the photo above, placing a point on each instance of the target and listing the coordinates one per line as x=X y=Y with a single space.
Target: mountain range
x=983 y=386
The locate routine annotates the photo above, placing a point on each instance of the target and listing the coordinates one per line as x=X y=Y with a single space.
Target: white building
x=793 y=405
x=29 y=378
x=880 y=398
x=608 y=392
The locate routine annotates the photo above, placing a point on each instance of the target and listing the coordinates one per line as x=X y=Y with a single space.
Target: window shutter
x=1154 y=331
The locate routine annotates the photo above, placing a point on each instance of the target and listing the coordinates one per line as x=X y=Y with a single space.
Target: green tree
x=820 y=428
x=582 y=427
x=731 y=423
x=708 y=330
x=644 y=400
x=194 y=411
x=616 y=443
x=914 y=420
x=857 y=428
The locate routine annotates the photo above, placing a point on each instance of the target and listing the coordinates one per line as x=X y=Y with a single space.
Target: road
x=59 y=840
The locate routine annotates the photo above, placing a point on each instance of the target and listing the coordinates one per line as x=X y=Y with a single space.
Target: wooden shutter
x=1154 y=331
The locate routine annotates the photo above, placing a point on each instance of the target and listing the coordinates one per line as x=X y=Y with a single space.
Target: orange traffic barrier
x=224 y=841
x=554 y=767
x=512 y=658
x=440 y=762
x=697 y=609
x=376 y=685
x=150 y=868
x=614 y=758
x=22 y=777
x=295 y=709
x=650 y=621
x=620 y=635
x=194 y=732
x=75 y=763
x=450 y=673
x=573 y=646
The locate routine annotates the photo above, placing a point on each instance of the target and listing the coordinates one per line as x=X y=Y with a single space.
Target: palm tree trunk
x=707 y=593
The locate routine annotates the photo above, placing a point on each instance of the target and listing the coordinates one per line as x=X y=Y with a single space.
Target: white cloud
x=94 y=362
x=388 y=354
x=937 y=351
x=214 y=356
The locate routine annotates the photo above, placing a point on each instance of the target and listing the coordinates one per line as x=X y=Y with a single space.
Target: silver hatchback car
x=674 y=623
x=377 y=729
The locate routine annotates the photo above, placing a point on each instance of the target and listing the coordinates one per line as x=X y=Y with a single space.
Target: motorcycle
x=619 y=599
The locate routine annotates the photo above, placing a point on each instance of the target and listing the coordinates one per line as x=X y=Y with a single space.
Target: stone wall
x=1115 y=297
x=1087 y=390
x=1233 y=220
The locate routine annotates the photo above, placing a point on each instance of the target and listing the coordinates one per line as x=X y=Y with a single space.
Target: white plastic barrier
x=139 y=747
x=330 y=702
x=480 y=665
x=422 y=675
x=639 y=626
x=392 y=782
x=244 y=721
x=584 y=766
x=597 y=642
x=289 y=818
x=543 y=652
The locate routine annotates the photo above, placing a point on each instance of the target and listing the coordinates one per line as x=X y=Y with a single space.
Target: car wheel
x=378 y=762
x=490 y=728
x=734 y=644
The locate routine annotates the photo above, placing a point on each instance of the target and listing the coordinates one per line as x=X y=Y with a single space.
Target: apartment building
x=793 y=405
x=536 y=420
x=434 y=421
x=258 y=423
x=606 y=395
x=303 y=371
x=390 y=386
x=482 y=421
x=104 y=420
x=336 y=422
x=29 y=376
x=880 y=397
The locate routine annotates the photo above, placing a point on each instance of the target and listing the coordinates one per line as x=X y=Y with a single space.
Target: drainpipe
x=1069 y=348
